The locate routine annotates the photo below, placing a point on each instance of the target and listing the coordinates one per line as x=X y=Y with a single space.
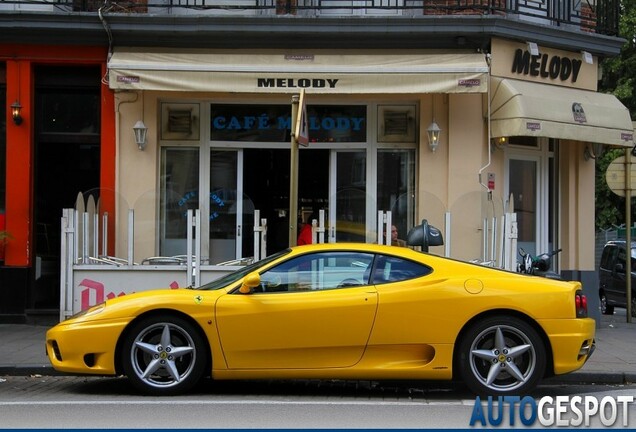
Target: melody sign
x=546 y=66
x=297 y=83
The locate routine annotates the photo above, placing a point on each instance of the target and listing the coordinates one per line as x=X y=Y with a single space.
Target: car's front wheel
x=501 y=356
x=606 y=309
x=163 y=355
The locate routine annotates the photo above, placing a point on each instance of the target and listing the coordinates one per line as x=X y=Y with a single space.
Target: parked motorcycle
x=537 y=265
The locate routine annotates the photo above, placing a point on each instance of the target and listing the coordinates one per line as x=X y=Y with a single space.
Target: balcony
x=593 y=16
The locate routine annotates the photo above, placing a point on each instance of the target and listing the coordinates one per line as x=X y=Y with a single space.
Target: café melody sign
x=272 y=123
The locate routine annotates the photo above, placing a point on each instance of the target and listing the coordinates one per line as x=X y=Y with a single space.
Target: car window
x=608 y=257
x=395 y=269
x=318 y=271
x=620 y=259
x=239 y=274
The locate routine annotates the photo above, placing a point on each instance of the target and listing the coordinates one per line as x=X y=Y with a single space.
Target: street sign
x=302 y=125
x=615 y=175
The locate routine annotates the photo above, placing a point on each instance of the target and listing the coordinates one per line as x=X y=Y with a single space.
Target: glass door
x=348 y=191
x=228 y=208
x=396 y=187
x=523 y=184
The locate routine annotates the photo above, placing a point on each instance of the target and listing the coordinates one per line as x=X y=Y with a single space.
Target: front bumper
x=84 y=347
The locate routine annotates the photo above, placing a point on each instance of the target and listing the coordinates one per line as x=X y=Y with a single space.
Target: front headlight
x=94 y=310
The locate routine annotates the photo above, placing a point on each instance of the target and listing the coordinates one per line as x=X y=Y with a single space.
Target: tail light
x=580 y=301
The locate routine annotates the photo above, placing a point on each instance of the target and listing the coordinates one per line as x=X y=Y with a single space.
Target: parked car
x=337 y=311
x=612 y=280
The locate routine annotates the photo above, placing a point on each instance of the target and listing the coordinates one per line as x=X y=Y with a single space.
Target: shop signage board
x=615 y=175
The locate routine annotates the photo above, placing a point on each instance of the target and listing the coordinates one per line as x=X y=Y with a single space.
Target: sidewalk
x=613 y=362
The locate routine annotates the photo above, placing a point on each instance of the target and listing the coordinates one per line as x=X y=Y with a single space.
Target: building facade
x=512 y=91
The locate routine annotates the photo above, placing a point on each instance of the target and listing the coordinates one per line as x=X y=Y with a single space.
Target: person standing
x=395 y=241
x=305 y=235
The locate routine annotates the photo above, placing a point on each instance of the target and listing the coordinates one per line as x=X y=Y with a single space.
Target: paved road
x=96 y=402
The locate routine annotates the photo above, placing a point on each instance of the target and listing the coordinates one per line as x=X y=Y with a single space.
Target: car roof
x=619 y=243
x=362 y=247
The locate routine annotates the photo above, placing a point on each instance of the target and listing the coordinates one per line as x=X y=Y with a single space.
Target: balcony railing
x=597 y=16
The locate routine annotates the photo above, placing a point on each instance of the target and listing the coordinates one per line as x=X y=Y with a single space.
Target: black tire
x=606 y=309
x=501 y=355
x=163 y=355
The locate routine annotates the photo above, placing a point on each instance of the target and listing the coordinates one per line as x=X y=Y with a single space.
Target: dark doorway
x=266 y=183
x=67 y=162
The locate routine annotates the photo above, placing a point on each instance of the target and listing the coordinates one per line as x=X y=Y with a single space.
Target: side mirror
x=251 y=281
x=424 y=235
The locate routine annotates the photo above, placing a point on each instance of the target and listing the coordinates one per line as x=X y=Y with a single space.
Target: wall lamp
x=592 y=151
x=498 y=143
x=16 y=109
x=433 y=132
x=533 y=48
x=140 y=131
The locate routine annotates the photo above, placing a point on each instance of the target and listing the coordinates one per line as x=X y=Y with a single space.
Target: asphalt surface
x=613 y=362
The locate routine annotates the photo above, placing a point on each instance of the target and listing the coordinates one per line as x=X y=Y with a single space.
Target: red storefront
x=63 y=143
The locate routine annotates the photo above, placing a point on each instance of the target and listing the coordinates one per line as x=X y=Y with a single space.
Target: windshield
x=240 y=273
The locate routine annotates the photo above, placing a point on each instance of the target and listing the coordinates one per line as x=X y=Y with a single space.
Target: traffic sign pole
x=628 y=232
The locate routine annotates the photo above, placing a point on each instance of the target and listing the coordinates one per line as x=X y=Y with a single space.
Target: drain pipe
x=488 y=61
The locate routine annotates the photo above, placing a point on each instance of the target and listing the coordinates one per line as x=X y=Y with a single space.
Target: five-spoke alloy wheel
x=501 y=356
x=163 y=355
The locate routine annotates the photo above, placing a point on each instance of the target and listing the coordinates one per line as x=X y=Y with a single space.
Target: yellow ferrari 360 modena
x=337 y=311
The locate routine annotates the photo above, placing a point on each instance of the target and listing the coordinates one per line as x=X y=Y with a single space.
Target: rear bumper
x=572 y=342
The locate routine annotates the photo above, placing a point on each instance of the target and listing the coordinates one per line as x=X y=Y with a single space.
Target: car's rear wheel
x=606 y=309
x=163 y=355
x=501 y=355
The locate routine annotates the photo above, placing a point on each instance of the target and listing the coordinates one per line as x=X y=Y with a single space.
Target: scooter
x=538 y=265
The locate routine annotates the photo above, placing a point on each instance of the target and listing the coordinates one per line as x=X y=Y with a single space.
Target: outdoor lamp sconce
x=592 y=151
x=140 y=131
x=498 y=143
x=433 y=132
x=16 y=108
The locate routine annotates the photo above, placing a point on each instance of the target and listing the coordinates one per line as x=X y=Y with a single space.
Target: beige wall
x=577 y=211
x=136 y=173
x=449 y=178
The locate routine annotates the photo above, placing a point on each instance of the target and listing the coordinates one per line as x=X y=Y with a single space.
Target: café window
x=272 y=123
x=179 y=193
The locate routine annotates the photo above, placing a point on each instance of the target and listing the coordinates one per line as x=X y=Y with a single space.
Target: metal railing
x=599 y=16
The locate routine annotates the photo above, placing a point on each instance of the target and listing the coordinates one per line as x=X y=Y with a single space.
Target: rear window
x=394 y=269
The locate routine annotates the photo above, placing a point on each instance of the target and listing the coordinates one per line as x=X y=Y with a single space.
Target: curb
x=27 y=370
x=572 y=378
x=593 y=378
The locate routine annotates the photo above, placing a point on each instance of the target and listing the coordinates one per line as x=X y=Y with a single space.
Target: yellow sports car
x=337 y=311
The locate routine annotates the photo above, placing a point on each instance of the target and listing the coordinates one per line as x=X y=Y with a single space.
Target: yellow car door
x=315 y=311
